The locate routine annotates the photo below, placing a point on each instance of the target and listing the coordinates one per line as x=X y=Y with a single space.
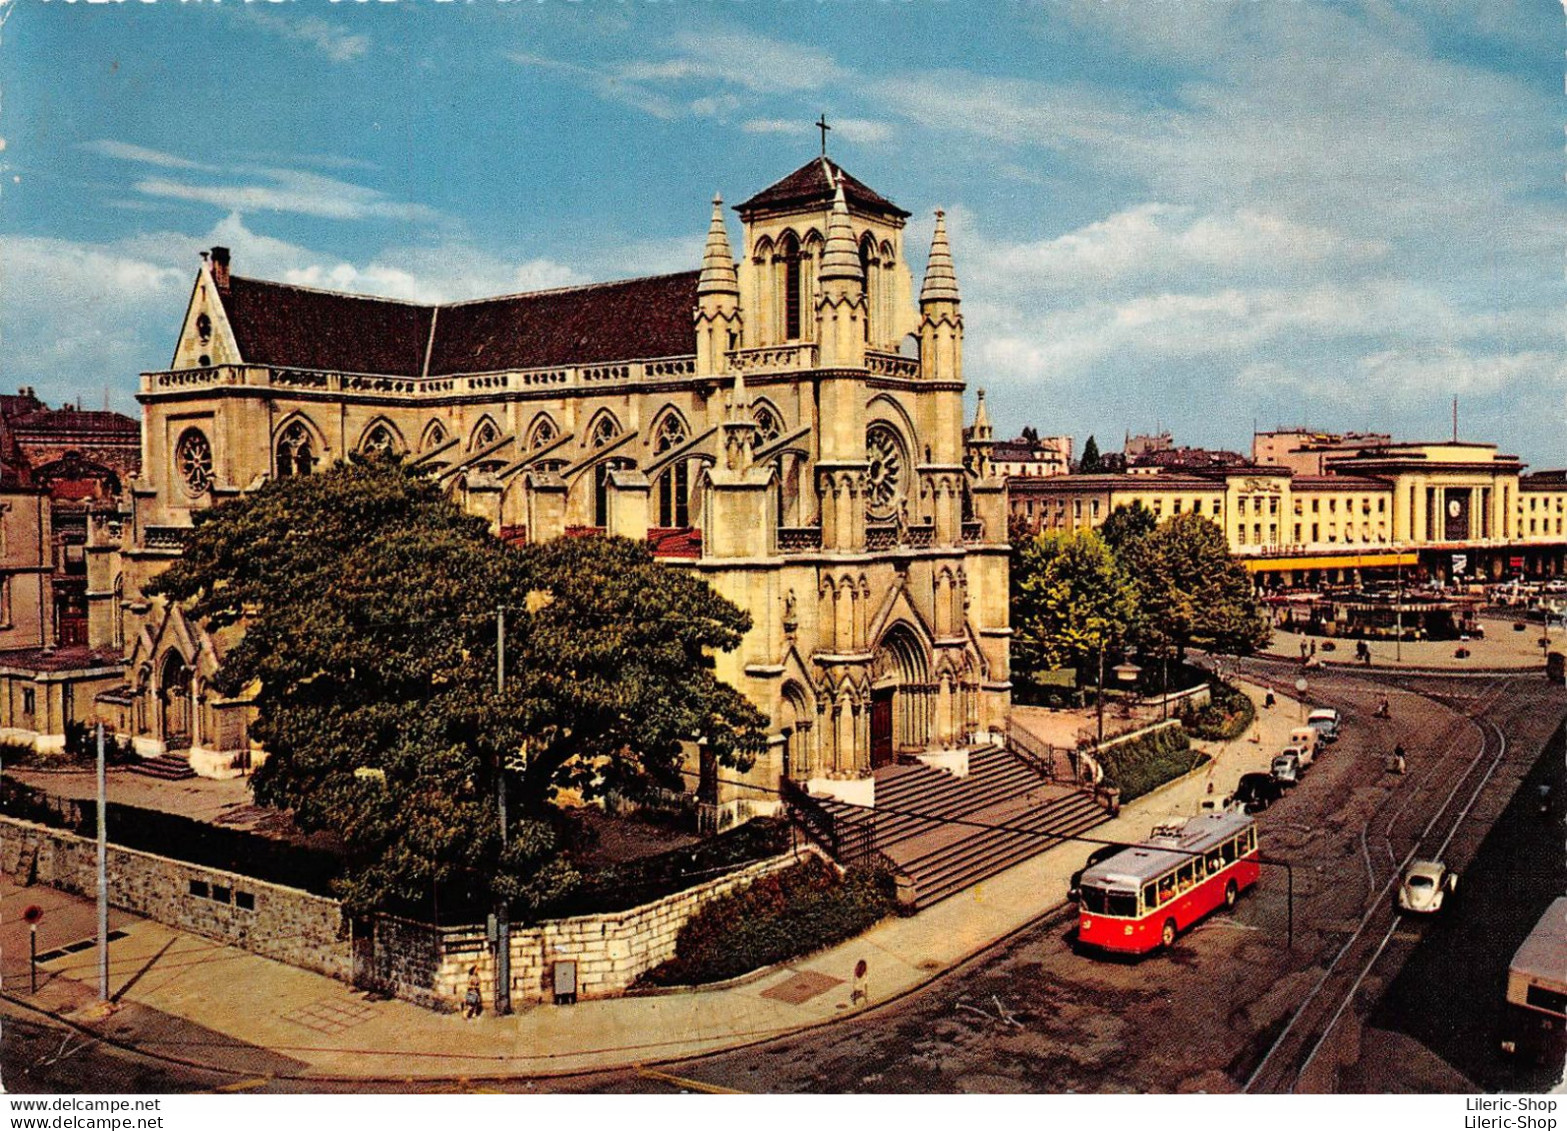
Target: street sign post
x=32 y=917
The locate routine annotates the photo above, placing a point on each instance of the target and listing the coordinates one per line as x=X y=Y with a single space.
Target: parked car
x=1308 y=739
x=1286 y=769
x=1302 y=754
x=1255 y=792
x=1325 y=720
x=1424 y=886
x=1097 y=856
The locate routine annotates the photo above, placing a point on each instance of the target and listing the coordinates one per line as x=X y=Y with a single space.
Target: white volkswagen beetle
x=1425 y=884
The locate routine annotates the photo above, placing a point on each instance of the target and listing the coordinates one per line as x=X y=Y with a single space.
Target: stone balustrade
x=313 y=380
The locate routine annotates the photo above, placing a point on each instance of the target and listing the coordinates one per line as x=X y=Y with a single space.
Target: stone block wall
x=611 y=950
x=418 y=962
x=293 y=926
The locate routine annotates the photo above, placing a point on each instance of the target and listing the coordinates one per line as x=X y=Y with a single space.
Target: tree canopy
x=1191 y=592
x=1161 y=587
x=1091 y=461
x=1070 y=599
x=361 y=604
x=1126 y=525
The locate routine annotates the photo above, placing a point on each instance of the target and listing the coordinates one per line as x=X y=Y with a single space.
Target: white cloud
x=77 y=316
x=124 y=151
x=307 y=194
x=330 y=40
x=1152 y=241
x=1409 y=376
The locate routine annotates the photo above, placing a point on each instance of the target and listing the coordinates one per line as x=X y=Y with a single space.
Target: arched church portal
x=900 y=697
x=174 y=702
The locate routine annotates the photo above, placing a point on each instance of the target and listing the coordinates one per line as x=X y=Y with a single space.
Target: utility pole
x=103 y=880
x=502 y=910
x=1099 y=697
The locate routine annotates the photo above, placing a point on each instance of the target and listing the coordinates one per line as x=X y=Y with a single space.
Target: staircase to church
x=932 y=825
x=165 y=767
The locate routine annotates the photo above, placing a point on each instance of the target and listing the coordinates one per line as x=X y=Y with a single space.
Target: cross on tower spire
x=821 y=124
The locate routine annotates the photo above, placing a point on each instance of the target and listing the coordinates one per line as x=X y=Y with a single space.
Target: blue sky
x=1194 y=213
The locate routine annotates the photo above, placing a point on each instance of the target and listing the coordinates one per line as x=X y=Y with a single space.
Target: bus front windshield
x=1120 y=904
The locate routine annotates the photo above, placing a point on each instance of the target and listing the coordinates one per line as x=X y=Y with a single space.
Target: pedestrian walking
x=473 y=1001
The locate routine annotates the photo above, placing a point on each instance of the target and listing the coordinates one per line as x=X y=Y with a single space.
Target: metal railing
x=846 y=840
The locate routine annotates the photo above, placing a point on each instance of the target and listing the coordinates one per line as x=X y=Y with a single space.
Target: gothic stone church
x=790 y=427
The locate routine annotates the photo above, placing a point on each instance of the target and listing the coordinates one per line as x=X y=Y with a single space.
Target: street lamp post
x=1099 y=693
x=502 y=908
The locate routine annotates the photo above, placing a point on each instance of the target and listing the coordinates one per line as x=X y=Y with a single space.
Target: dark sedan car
x=1257 y=791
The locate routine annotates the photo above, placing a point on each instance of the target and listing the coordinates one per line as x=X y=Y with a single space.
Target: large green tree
x=1070 y=599
x=359 y=607
x=1092 y=462
x=1191 y=592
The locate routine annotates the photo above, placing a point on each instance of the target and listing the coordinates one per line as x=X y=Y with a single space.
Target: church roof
x=637 y=318
x=283 y=325
x=808 y=186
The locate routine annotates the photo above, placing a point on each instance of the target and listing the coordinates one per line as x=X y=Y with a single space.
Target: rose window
x=193 y=462
x=885 y=475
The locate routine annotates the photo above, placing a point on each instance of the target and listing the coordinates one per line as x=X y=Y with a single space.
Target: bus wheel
x=1230 y=894
x=1167 y=936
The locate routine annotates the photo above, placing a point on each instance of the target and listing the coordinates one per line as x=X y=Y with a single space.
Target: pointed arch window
x=868 y=264
x=544 y=432
x=674 y=485
x=434 y=436
x=767 y=426
x=485 y=435
x=789 y=249
x=380 y=441
x=605 y=429
x=296 y=454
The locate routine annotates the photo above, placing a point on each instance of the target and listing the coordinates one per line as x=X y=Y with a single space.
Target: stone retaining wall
x=425 y=964
x=611 y=950
x=279 y=922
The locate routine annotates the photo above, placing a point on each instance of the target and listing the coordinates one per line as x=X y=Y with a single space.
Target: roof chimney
x=220 y=268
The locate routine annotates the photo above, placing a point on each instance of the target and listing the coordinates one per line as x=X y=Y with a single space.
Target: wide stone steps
x=936 y=827
x=914 y=799
x=944 y=869
x=165 y=767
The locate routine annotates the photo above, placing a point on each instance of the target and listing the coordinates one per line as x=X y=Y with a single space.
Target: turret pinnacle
x=981 y=431
x=841 y=255
x=718 y=263
x=941 y=281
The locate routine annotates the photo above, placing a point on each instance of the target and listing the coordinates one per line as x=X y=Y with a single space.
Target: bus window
x=1183 y=875
x=1166 y=887
x=1122 y=904
x=1553 y=1001
x=1149 y=900
x=1228 y=851
x=1214 y=862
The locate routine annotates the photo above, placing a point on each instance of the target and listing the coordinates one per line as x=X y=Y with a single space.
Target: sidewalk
x=194 y=1000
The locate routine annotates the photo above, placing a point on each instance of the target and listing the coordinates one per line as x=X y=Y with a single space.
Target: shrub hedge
x=1145 y=763
x=1227 y=716
x=782 y=916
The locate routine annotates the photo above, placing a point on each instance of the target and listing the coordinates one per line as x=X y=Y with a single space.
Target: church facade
x=788 y=425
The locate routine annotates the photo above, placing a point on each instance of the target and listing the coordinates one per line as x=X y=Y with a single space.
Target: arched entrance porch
x=175 y=713
x=900 y=697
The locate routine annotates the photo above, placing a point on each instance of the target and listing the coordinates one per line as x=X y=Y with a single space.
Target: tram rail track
x=1286 y=1064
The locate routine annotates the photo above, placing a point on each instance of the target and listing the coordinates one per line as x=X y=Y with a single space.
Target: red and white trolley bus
x=1142 y=897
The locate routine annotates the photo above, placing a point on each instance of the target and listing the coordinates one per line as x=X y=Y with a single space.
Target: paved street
x=1031 y=1015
